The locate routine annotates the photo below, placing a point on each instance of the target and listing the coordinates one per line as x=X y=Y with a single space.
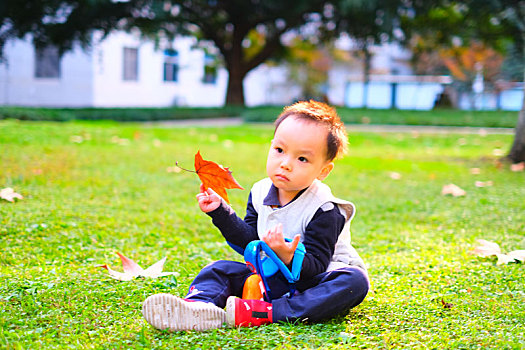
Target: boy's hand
x=208 y=199
x=275 y=240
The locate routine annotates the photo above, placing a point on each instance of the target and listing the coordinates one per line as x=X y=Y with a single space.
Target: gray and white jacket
x=322 y=221
x=296 y=216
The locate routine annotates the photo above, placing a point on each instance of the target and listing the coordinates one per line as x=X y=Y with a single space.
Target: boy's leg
x=203 y=307
x=335 y=292
x=219 y=280
x=324 y=296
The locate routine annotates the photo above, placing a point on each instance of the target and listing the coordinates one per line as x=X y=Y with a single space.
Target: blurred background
x=393 y=54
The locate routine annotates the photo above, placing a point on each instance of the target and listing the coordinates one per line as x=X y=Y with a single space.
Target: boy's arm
x=236 y=230
x=320 y=237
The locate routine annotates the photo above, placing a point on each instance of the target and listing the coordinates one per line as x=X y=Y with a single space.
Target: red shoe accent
x=247 y=313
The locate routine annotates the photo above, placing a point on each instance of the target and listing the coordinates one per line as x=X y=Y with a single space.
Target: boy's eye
x=279 y=149
x=303 y=159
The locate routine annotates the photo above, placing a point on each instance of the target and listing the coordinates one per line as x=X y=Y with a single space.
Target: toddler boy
x=291 y=203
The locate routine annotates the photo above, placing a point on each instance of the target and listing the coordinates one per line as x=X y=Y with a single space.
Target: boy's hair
x=319 y=112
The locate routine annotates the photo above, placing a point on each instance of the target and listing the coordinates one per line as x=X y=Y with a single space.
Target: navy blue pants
x=318 y=298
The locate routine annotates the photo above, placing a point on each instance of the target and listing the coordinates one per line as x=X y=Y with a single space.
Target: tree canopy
x=499 y=24
x=246 y=32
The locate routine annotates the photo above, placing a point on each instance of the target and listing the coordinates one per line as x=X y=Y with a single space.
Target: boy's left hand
x=275 y=240
x=208 y=199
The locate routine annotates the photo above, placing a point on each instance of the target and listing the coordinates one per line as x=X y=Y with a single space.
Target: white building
x=120 y=71
x=124 y=71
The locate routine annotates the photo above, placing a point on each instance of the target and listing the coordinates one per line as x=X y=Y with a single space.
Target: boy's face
x=297 y=156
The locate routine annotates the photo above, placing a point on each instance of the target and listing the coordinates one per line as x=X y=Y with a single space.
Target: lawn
x=94 y=188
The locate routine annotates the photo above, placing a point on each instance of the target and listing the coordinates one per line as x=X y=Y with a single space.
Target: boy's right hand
x=275 y=240
x=208 y=199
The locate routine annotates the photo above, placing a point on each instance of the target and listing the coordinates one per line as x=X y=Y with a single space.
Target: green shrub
x=444 y=117
x=267 y=114
x=118 y=114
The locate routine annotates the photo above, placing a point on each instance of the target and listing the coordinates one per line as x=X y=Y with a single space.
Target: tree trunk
x=235 y=90
x=236 y=65
x=366 y=74
x=517 y=152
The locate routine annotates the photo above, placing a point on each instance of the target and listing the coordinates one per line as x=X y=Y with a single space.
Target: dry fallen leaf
x=486 y=248
x=9 y=194
x=76 y=139
x=504 y=259
x=475 y=171
x=133 y=270
x=518 y=255
x=446 y=305
x=394 y=175
x=498 y=152
x=517 y=167
x=453 y=190
x=483 y=183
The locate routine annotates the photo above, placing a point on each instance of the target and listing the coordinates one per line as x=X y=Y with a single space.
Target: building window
x=47 y=62
x=131 y=63
x=171 y=65
x=210 y=69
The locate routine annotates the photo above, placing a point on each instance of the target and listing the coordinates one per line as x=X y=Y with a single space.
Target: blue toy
x=260 y=257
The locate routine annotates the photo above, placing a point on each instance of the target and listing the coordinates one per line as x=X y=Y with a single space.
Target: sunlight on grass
x=94 y=188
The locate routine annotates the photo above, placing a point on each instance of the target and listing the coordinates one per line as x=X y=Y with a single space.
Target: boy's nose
x=285 y=164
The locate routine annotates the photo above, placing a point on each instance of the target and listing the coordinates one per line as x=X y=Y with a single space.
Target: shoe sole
x=230 y=311
x=166 y=311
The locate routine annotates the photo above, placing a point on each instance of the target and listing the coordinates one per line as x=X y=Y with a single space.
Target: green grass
x=94 y=188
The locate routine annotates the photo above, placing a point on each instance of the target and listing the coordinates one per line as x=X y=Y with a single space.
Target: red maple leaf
x=215 y=176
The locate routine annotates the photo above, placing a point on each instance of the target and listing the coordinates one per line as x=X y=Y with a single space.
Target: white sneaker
x=166 y=311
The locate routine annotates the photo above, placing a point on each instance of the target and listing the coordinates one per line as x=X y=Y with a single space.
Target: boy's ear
x=325 y=171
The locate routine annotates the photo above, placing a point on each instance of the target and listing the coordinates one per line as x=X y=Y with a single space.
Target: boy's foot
x=247 y=313
x=166 y=311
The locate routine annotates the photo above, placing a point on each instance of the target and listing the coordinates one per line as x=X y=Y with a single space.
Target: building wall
x=94 y=78
x=269 y=85
x=395 y=91
x=18 y=85
x=150 y=89
x=338 y=78
x=507 y=100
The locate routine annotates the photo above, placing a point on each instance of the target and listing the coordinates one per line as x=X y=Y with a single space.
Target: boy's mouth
x=281 y=177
